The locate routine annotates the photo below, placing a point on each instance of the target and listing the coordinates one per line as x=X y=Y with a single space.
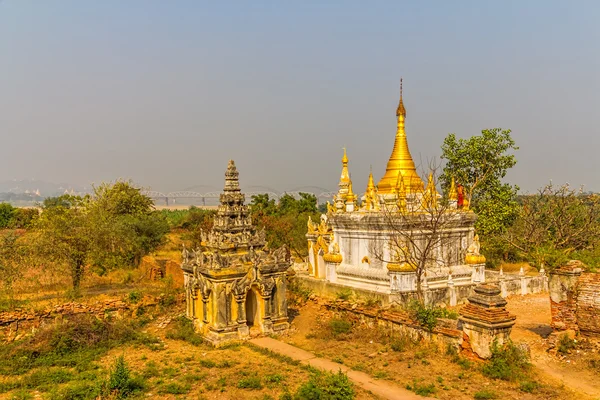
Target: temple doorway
x=252 y=314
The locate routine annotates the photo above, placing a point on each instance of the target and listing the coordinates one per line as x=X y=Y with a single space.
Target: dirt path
x=380 y=388
x=532 y=327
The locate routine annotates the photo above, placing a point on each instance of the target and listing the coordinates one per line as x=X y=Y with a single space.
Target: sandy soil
x=533 y=326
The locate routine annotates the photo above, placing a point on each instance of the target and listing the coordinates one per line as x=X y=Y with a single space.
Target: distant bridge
x=212 y=197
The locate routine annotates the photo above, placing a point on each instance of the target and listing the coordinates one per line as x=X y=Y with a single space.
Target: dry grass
x=402 y=360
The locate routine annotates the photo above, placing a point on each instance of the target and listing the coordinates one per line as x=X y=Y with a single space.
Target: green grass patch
x=485 y=394
x=340 y=326
x=422 y=389
x=326 y=385
x=250 y=382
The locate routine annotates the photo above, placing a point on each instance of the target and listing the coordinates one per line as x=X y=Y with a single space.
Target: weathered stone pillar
x=451 y=291
x=563 y=295
x=485 y=320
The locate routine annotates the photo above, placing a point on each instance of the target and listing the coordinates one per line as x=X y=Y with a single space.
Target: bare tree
x=420 y=231
x=554 y=223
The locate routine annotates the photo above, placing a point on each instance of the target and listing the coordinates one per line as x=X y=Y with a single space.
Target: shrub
x=566 y=344
x=183 y=329
x=251 y=382
x=121 y=382
x=340 y=326
x=74 y=343
x=301 y=293
x=134 y=296
x=529 y=386
x=422 y=389
x=485 y=395
x=401 y=343
x=508 y=362
x=326 y=386
x=427 y=316
x=344 y=294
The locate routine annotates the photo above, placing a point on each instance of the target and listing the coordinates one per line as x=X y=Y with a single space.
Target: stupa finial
x=401 y=111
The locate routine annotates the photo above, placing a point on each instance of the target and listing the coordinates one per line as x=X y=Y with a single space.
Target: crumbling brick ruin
x=575 y=299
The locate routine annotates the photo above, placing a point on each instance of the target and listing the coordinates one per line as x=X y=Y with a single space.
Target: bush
x=566 y=344
x=74 y=343
x=401 y=343
x=135 y=296
x=23 y=218
x=6 y=214
x=340 y=326
x=326 y=386
x=121 y=382
x=344 y=294
x=183 y=329
x=508 y=362
x=529 y=386
x=422 y=389
x=251 y=382
x=301 y=293
x=485 y=395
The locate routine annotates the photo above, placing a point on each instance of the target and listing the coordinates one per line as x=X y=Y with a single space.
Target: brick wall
x=575 y=299
x=588 y=302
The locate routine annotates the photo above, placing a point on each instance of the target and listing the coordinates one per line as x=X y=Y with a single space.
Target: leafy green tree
x=6 y=214
x=122 y=198
x=114 y=228
x=64 y=235
x=125 y=226
x=479 y=164
x=24 y=218
x=285 y=221
x=12 y=255
x=261 y=204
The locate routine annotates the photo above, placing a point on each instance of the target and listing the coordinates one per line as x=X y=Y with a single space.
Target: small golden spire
x=400 y=190
x=430 y=195
x=371 y=184
x=345 y=177
x=350 y=196
x=452 y=193
x=400 y=161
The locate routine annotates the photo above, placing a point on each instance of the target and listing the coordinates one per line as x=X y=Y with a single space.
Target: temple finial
x=345 y=157
x=401 y=110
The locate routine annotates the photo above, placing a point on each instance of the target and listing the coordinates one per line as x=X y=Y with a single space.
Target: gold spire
x=345 y=178
x=400 y=193
x=400 y=162
x=430 y=195
x=350 y=197
x=371 y=184
x=452 y=193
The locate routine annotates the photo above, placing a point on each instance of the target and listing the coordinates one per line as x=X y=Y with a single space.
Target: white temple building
x=402 y=237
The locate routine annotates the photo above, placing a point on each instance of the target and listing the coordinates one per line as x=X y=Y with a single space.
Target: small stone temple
x=375 y=245
x=234 y=283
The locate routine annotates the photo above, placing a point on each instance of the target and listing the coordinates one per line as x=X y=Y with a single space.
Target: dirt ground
x=533 y=327
x=366 y=350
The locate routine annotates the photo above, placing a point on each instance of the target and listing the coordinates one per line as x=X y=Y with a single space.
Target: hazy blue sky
x=165 y=92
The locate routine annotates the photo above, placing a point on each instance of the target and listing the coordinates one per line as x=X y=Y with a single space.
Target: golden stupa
x=400 y=161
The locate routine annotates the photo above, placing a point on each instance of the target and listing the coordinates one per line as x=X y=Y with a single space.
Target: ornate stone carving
x=233 y=259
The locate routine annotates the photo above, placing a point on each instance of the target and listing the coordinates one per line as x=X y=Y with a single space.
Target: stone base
x=481 y=339
x=242 y=332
